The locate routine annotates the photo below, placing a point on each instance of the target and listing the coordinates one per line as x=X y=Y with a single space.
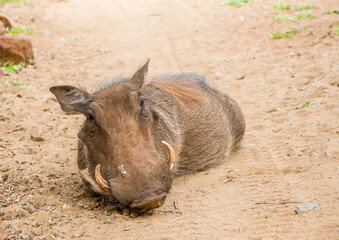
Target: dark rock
x=37 y=139
x=15 y=48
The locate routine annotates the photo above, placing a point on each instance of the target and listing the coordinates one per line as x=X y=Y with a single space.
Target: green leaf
x=20 y=29
x=330 y=11
x=9 y=67
x=236 y=3
x=304 y=7
x=300 y=16
x=29 y=3
x=31 y=62
x=281 y=6
x=286 y=33
x=16 y=83
x=9 y=1
x=307 y=104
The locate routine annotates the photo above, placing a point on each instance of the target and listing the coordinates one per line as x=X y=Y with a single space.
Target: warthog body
x=138 y=136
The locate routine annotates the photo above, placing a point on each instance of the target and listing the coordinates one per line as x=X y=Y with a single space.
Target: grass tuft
x=9 y=1
x=282 y=18
x=281 y=6
x=26 y=2
x=330 y=11
x=305 y=15
x=31 y=61
x=300 y=16
x=16 y=83
x=9 y=67
x=236 y=3
x=304 y=7
x=286 y=33
x=336 y=29
x=29 y=3
x=307 y=104
x=20 y=29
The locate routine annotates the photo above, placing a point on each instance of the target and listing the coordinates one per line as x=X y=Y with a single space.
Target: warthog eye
x=90 y=117
x=142 y=105
x=143 y=111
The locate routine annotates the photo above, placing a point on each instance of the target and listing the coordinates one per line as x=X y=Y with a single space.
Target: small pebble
x=327 y=150
x=37 y=139
x=227 y=180
x=273 y=110
x=250 y=145
x=240 y=77
x=304 y=208
x=66 y=206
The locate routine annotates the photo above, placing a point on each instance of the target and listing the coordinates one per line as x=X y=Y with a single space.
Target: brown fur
x=179 y=91
x=127 y=121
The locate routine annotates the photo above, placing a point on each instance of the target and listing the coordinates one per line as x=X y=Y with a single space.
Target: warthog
x=137 y=136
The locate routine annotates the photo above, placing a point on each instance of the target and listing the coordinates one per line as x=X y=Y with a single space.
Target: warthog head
x=123 y=158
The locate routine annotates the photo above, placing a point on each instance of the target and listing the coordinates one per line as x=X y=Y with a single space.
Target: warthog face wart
x=137 y=136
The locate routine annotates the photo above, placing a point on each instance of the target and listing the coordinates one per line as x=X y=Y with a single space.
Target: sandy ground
x=289 y=155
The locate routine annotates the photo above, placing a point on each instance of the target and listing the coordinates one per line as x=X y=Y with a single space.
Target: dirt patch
x=289 y=155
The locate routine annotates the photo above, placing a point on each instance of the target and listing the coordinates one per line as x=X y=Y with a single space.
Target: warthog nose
x=150 y=203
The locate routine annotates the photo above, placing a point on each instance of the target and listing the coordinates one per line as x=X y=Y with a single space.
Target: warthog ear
x=138 y=78
x=71 y=98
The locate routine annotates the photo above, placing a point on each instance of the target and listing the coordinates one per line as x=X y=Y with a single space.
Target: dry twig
x=282 y=202
x=92 y=55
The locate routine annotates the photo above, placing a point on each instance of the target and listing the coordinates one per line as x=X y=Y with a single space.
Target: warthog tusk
x=170 y=154
x=100 y=180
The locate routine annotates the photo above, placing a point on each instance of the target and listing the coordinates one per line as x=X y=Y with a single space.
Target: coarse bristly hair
x=205 y=124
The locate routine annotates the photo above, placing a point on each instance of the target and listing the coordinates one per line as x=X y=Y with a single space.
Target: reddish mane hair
x=181 y=92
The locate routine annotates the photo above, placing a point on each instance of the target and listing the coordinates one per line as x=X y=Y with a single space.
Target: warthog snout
x=132 y=197
x=140 y=189
x=150 y=203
